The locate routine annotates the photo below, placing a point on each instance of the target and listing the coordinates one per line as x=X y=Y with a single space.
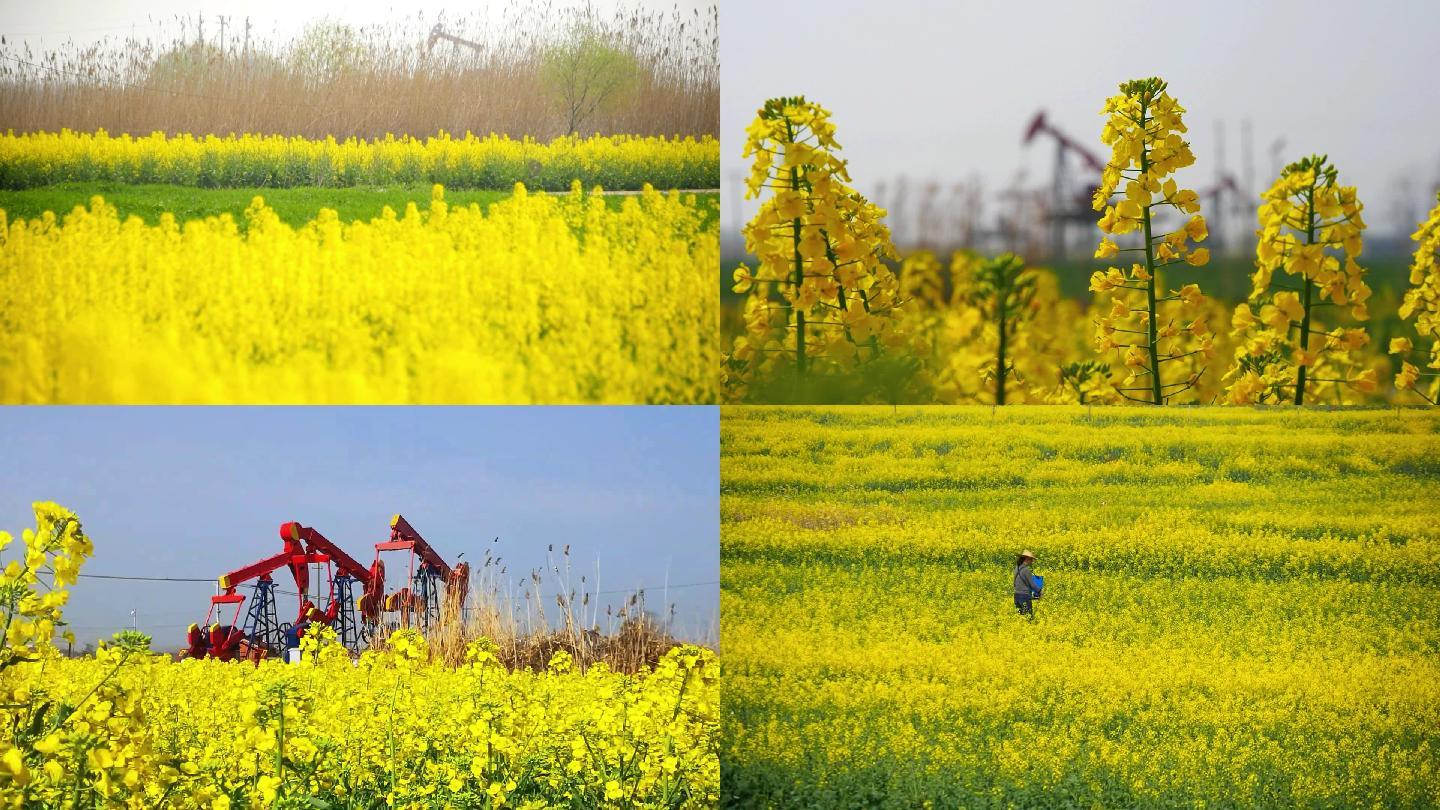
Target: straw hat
x=1028 y=553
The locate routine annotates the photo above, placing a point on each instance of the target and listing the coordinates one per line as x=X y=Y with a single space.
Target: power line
x=657 y=587
x=122 y=626
x=130 y=578
x=146 y=579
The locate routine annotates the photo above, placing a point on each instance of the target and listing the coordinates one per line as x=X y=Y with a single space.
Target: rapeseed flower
x=1310 y=229
x=1144 y=129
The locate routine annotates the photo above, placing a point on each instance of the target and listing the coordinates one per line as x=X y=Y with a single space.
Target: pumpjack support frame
x=262 y=625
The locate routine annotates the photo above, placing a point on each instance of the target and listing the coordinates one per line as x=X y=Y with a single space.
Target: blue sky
x=197 y=491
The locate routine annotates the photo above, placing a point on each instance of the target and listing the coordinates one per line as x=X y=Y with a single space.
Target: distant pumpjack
x=418 y=602
x=260 y=633
x=1068 y=203
x=438 y=33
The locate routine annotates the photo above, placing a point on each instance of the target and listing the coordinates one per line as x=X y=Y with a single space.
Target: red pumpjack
x=261 y=634
x=418 y=602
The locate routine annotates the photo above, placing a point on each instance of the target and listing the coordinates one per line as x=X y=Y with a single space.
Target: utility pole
x=1217 y=230
x=1247 y=153
x=1059 y=182
x=247 y=40
x=1277 y=149
x=737 y=196
x=898 y=211
x=1247 y=149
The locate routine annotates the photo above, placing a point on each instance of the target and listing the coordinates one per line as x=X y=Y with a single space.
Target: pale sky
x=51 y=23
x=194 y=492
x=944 y=90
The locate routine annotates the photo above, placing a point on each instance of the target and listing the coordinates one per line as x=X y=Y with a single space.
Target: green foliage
x=131 y=641
x=295 y=206
x=588 y=73
x=328 y=50
x=618 y=163
x=1082 y=376
x=889 y=379
x=1003 y=287
x=1003 y=290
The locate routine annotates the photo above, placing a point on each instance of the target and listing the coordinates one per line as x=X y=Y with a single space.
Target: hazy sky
x=198 y=491
x=946 y=89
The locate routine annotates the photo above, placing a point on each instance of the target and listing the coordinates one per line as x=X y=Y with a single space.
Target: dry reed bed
x=530 y=625
x=365 y=82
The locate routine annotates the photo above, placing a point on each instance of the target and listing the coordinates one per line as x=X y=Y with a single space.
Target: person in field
x=1027 y=588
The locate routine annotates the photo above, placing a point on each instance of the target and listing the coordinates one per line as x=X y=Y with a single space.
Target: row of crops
x=1233 y=615
x=125 y=728
x=539 y=298
x=833 y=314
x=619 y=162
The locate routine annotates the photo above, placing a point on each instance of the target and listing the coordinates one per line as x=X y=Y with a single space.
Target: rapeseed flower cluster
x=1310 y=229
x=50 y=737
x=833 y=315
x=1149 y=331
x=34 y=587
x=388 y=729
x=1422 y=305
x=1231 y=616
x=952 y=310
x=242 y=161
x=954 y=313
x=540 y=298
x=822 y=302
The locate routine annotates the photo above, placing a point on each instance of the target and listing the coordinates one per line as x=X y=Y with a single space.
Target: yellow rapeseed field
x=125 y=728
x=492 y=161
x=1240 y=607
x=215 y=734
x=541 y=298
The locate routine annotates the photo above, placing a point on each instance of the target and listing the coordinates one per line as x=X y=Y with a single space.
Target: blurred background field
x=1240 y=607
x=1063 y=334
x=539 y=298
x=295 y=206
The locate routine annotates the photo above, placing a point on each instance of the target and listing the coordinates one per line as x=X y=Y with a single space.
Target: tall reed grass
x=405 y=77
x=550 y=611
